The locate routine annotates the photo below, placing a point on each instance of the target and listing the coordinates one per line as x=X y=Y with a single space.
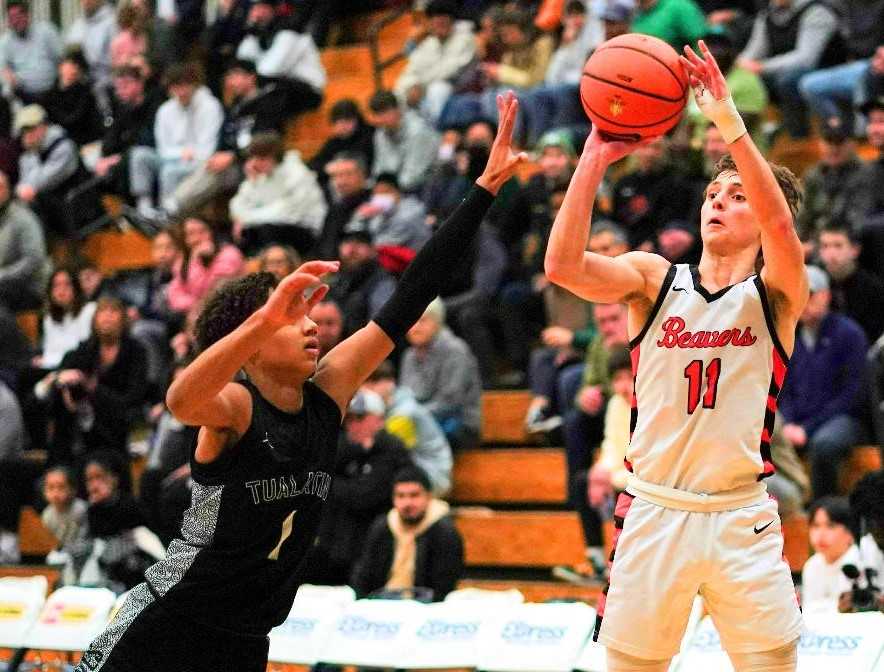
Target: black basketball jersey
x=254 y=515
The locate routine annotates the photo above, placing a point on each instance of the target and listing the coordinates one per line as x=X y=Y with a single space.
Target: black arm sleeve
x=425 y=276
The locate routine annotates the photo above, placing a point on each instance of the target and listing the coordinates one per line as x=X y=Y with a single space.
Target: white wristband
x=722 y=113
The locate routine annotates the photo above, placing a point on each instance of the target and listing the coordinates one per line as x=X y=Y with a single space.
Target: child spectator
x=65 y=514
x=832 y=530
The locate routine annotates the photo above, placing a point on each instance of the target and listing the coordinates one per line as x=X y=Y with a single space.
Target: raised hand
x=292 y=299
x=704 y=73
x=502 y=161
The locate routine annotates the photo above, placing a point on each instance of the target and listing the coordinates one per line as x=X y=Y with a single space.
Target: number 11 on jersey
x=694 y=373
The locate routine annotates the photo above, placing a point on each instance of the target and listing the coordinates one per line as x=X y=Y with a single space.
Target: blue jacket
x=828 y=380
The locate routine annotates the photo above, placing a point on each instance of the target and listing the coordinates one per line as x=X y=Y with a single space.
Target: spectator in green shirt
x=678 y=22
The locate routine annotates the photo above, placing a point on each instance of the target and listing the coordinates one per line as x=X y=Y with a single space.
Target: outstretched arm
x=591 y=276
x=346 y=367
x=784 y=273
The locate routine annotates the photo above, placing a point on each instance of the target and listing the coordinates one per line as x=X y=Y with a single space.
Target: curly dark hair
x=867 y=498
x=230 y=305
x=790 y=185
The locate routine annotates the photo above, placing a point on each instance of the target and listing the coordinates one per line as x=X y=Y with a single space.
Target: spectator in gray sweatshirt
x=444 y=376
x=29 y=52
x=24 y=266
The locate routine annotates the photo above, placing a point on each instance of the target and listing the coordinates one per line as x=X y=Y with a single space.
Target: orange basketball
x=633 y=86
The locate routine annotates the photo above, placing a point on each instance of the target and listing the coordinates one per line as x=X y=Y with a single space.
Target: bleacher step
x=510 y=476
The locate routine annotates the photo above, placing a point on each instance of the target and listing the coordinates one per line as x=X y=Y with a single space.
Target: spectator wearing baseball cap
x=822 y=398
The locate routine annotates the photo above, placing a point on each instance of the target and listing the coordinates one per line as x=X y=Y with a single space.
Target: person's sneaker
x=539 y=420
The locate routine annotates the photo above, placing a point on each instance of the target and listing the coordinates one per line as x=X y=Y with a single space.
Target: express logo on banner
x=435 y=631
x=298 y=627
x=814 y=644
x=519 y=632
x=357 y=627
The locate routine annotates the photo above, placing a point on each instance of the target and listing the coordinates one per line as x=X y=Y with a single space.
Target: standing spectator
x=249 y=110
x=280 y=200
x=71 y=102
x=831 y=187
x=281 y=260
x=329 y=324
x=678 y=22
x=349 y=133
x=789 y=39
x=832 y=536
x=186 y=134
x=288 y=58
x=362 y=285
x=404 y=144
x=29 y=52
x=48 y=168
x=415 y=426
x=856 y=292
x=205 y=262
x=347 y=174
x=98 y=388
x=415 y=545
x=93 y=32
x=24 y=265
x=367 y=460
x=822 y=395
x=65 y=513
x=444 y=376
x=449 y=47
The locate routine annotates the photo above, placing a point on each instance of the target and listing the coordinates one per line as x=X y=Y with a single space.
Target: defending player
x=710 y=346
x=265 y=453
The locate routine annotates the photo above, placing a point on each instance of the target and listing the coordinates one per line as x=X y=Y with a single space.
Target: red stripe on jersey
x=779 y=368
x=769 y=469
x=765 y=436
x=772 y=404
x=777 y=377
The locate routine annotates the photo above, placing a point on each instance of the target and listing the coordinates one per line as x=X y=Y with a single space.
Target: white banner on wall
x=447 y=634
x=21 y=600
x=301 y=638
x=71 y=619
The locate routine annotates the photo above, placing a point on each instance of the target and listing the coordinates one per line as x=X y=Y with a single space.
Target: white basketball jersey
x=708 y=369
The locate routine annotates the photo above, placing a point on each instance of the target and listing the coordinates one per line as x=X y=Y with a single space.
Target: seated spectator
x=831 y=187
x=329 y=325
x=249 y=110
x=449 y=47
x=404 y=144
x=855 y=291
x=868 y=217
x=206 y=261
x=280 y=200
x=92 y=280
x=132 y=118
x=444 y=376
x=418 y=430
x=131 y=39
x=67 y=320
x=867 y=504
x=71 y=102
x=24 y=264
x=822 y=396
x=186 y=134
x=29 y=52
x=98 y=389
x=350 y=133
x=9 y=145
x=832 y=530
x=396 y=222
x=93 y=31
x=678 y=22
x=65 y=513
x=48 y=168
x=289 y=59
x=789 y=39
x=584 y=424
x=362 y=285
x=832 y=91
x=415 y=545
x=367 y=460
x=281 y=260
x=347 y=175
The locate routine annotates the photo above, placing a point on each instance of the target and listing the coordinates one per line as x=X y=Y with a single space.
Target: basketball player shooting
x=710 y=345
x=265 y=453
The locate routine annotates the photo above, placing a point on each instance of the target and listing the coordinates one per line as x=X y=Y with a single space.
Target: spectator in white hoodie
x=280 y=200
x=186 y=131
x=450 y=45
x=288 y=58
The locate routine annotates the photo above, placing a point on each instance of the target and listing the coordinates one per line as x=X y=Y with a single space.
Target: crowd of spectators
x=185 y=122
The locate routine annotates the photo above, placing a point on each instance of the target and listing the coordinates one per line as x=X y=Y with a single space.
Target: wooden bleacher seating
x=52 y=574
x=510 y=476
x=796 y=542
x=28 y=322
x=113 y=251
x=862 y=460
x=503 y=417
x=520 y=538
x=34 y=540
